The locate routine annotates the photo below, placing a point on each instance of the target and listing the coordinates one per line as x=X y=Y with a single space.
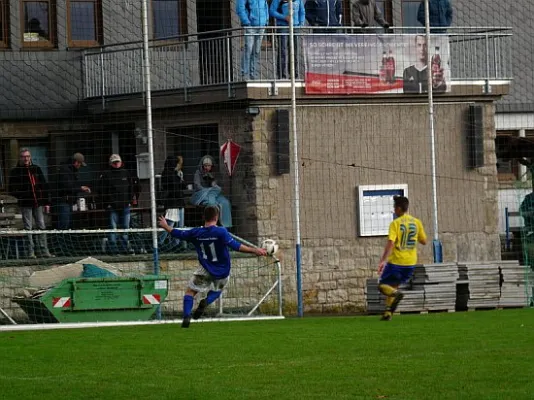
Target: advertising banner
x=375 y=64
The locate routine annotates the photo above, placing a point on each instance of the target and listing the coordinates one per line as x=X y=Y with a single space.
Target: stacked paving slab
x=484 y=283
x=376 y=302
x=445 y=287
x=513 y=285
x=438 y=282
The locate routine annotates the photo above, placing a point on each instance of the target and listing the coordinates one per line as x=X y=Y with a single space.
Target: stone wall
x=342 y=147
x=247 y=285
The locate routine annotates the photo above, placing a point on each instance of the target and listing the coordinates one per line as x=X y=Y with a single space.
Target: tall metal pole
x=150 y=133
x=296 y=208
x=436 y=244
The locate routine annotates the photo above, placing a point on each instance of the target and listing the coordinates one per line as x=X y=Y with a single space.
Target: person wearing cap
x=208 y=192
x=116 y=189
x=68 y=189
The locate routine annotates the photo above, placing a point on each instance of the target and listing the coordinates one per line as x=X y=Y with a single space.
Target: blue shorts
x=396 y=274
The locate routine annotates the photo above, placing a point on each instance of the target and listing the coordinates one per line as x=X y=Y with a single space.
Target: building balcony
x=207 y=67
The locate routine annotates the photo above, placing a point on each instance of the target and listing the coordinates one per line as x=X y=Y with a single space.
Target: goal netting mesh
x=87 y=284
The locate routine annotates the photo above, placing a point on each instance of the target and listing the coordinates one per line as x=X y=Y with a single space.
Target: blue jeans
x=213 y=197
x=119 y=219
x=250 y=61
x=283 y=55
x=172 y=224
x=64 y=219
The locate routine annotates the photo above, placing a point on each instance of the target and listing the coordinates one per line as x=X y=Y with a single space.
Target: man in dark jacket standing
x=440 y=15
x=324 y=13
x=173 y=187
x=280 y=12
x=117 y=195
x=68 y=188
x=28 y=184
x=365 y=13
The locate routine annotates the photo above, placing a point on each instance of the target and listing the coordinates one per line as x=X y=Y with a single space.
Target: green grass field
x=480 y=355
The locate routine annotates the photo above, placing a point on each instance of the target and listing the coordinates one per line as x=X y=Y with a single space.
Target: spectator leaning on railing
x=280 y=12
x=440 y=15
x=254 y=16
x=324 y=13
x=365 y=12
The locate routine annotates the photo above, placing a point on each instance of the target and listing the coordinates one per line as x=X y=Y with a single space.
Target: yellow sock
x=386 y=290
x=389 y=301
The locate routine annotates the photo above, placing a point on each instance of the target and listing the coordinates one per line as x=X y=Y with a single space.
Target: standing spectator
x=173 y=186
x=254 y=16
x=324 y=13
x=208 y=192
x=280 y=11
x=68 y=189
x=28 y=184
x=440 y=13
x=117 y=194
x=364 y=12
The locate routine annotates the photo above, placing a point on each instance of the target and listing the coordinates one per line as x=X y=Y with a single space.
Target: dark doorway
x=213 y=15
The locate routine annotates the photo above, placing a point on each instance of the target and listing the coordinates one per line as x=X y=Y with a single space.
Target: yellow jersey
x=405 y=232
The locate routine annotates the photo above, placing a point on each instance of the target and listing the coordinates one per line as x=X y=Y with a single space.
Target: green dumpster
x=98 y=299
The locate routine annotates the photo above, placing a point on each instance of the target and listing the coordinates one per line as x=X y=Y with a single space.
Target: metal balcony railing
x=214 y=58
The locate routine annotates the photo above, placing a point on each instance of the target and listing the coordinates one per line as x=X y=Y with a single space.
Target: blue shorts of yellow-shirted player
x=211 y=243
x=400 y=254
x=396 y=274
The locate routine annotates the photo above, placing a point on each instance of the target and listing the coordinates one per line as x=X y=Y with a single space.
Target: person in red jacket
x=28 y=185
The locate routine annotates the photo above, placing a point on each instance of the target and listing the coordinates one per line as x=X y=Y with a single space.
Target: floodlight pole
x=436 y=244
x=296 y=208
x=150 y=134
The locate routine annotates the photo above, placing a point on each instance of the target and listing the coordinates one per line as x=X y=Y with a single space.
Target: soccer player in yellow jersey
x=400 y=255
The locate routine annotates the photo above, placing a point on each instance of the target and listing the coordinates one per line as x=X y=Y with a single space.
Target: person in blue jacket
x=440 y=13
x=280 y=12
x=324 y=13
x=254 y=16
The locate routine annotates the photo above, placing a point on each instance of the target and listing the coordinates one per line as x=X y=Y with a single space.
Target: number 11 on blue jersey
x=209 y=249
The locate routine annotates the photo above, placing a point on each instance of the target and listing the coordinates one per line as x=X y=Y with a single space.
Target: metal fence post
x=496 y=64
x=86 y=75
x=487 y=85
x=228 y=67
x=184 y=74
x=103 y=78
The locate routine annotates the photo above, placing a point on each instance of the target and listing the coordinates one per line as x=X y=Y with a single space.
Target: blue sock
x=188 y=305
x=212 y=296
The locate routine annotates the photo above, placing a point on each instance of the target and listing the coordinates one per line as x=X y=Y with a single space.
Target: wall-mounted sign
x=375 y=207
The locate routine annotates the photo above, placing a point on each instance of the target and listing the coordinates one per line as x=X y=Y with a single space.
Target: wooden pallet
x=494 y=308
x=421 y=312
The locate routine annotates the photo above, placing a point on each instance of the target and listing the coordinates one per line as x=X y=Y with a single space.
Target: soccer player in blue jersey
x=211 y=243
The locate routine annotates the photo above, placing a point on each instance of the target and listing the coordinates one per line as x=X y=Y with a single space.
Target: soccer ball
x=270 y=245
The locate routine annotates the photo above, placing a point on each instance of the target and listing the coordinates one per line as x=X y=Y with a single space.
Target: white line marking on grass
x=79 y=325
